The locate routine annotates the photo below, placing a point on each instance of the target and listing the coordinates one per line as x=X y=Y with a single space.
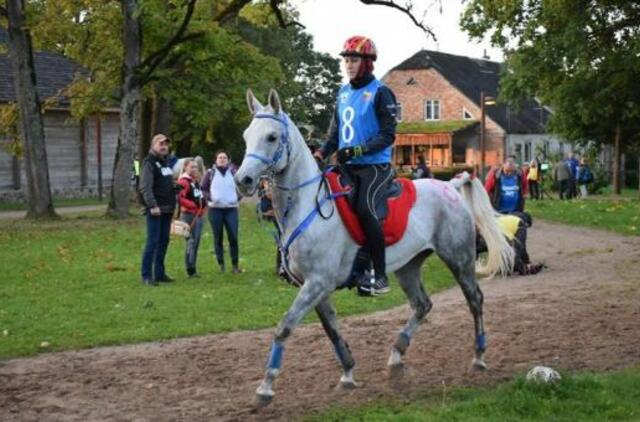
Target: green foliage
x=9 y=116
x=204 y=79
x=448 y=173
x=76 y=283
x=434 y=127
x=581 y=58
x=583 y=397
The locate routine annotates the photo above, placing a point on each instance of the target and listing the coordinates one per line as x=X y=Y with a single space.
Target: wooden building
x=80 y=153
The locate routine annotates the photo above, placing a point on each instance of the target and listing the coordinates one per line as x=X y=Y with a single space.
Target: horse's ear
x=252 y=102
x=274 y=101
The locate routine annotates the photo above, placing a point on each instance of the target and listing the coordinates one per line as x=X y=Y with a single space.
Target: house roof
x=54 y=72
x=473 y=76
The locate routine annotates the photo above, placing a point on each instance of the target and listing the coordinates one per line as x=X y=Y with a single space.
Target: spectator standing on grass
x=585 y=177
x=505 y=188
x=562 y=176
x=192 y=208
x=573 y=164
x=158 y=195
x=533 y=179
x=222 y=198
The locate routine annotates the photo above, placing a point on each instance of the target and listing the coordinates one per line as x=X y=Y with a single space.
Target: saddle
x=392 y=207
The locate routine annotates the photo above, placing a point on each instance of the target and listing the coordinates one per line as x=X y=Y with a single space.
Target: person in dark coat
x=422 y=171
x=159 y=199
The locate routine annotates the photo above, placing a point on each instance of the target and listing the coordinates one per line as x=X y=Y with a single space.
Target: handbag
x=180 y=228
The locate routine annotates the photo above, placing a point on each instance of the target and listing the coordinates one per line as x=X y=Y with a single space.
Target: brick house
x=439 y=113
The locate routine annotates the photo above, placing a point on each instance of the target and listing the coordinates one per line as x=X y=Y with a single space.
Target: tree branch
x=404 y=9
x=276 y=11
x=231 y=11
x=156 y=58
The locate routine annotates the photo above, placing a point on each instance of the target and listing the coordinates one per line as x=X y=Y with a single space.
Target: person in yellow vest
x=533 y=177
x=514 y=227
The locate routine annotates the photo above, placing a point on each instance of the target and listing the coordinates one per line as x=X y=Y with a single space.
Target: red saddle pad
x=393 y=226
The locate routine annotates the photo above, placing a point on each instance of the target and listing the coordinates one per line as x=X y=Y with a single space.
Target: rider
x=363 y=132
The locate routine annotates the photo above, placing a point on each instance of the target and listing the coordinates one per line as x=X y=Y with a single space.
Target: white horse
x=321 y=251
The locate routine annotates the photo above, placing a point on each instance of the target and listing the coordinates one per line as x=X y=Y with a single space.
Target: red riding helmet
x=361 y=47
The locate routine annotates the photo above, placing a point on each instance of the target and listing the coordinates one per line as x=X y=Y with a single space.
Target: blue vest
x=357 y=121
x=510 y=193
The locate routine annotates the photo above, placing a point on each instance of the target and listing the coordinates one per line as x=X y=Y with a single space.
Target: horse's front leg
x=327 y=315
x=308 y=297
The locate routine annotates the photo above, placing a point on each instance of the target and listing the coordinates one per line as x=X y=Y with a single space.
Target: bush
x=448 y=173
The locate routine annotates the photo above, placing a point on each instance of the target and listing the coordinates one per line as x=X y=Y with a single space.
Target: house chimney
x=485 y=56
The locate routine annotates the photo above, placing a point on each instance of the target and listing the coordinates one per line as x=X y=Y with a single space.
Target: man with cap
x=159 y=199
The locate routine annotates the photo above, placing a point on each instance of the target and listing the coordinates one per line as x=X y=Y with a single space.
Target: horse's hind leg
x=327 y=315
x=462 y=265
x=410 y=280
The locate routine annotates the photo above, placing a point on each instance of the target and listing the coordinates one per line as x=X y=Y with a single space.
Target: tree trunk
x=161 y=115
x=129 y=111
x=147 y=128
x=616 y=160
x=39 y=199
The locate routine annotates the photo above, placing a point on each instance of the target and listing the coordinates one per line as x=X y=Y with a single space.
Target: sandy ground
x=583 y=312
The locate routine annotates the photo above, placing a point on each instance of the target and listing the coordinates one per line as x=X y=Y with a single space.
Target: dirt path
x=583 y=312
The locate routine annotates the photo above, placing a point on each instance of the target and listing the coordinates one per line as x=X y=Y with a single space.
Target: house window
x=466 y=115
x=399 y=112
x=432 y=110
x=527 y=152
x=518 y=153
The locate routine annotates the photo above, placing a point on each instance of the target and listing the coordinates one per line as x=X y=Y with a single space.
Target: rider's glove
x=346 y=154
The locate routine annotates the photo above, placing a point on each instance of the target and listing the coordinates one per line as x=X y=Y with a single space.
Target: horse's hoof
x=478 y=365
x=347 y=385
x=397 y=370
x=262 y=400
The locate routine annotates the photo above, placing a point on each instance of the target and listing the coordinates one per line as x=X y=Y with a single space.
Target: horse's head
x=267 y=142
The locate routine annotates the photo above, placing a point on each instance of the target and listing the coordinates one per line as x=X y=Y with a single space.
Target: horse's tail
x=500 y=253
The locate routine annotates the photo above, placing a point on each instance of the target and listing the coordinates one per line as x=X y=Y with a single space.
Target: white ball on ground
x=543 y=374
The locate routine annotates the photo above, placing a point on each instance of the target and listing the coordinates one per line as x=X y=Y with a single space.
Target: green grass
x=75 y=283
x=583 y=397
x=624 y=193
x=621 y=216
x=21 y=206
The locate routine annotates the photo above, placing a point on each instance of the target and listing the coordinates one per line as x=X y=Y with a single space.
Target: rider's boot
x=373 y=285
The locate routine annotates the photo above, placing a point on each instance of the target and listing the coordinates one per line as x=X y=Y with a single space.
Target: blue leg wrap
x=275 y=356
x=481 y=342
x=339 y=354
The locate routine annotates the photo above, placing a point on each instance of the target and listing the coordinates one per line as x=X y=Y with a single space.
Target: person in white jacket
x=222 y=198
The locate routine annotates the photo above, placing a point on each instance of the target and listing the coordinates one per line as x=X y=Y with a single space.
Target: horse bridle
x=283 y=144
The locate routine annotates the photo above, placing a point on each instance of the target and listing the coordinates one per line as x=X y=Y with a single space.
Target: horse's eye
x=272 y=138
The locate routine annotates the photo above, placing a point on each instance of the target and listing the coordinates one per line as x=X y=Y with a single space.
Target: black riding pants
x=370 y=183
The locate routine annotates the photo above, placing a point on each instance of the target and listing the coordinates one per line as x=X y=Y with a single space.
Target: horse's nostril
x=247 y=180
